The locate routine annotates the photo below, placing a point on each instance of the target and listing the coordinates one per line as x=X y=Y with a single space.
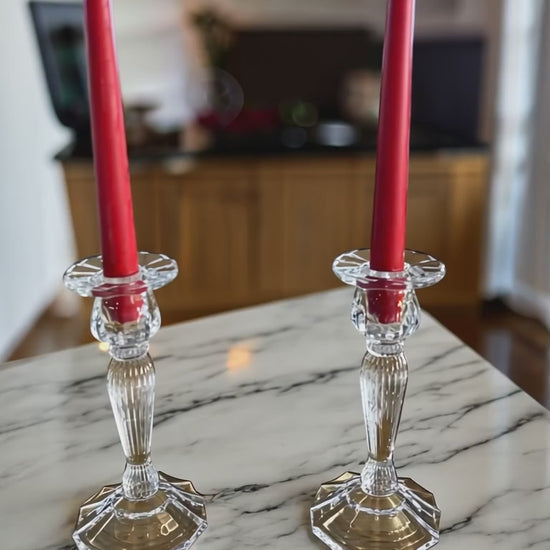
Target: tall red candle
x=392 y=155
x=114 y=198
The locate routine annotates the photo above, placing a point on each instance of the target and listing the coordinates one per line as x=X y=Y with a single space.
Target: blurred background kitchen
x=251 y=127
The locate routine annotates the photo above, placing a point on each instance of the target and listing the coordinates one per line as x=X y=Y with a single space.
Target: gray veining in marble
x=259 y=437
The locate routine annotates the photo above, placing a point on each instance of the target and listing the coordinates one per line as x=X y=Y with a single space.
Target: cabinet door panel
x=426 y=213
x=320 y=212
x=218 y=230
x=210 y=225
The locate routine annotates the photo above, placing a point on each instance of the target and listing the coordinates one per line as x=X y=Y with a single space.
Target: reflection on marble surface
x=259 y=407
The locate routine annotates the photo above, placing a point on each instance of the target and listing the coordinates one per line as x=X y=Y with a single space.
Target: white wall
x=35 y=234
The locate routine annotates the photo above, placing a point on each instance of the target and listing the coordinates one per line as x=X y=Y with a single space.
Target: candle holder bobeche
x=376 y=510
x=149 y=510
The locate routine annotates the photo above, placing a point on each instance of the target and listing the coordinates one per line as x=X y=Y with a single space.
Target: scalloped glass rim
x=421 y=270
x=86 y=278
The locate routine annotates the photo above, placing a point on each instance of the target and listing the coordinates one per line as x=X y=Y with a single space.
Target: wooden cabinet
x=249 y=230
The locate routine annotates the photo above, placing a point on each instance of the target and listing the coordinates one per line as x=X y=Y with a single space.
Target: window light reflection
x=239 y=356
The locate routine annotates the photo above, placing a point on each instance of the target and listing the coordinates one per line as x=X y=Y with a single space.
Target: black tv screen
x=59 y=28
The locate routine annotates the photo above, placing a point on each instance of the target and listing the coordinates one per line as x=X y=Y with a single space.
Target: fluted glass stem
x=384 y=374
x=131 y=386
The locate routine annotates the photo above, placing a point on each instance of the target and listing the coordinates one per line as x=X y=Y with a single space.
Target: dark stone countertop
x=167 y=147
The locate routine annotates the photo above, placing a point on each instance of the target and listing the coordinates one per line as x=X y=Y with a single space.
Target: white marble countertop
x=260 y=406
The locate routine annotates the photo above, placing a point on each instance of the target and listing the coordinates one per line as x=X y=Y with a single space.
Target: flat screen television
x=59 y=29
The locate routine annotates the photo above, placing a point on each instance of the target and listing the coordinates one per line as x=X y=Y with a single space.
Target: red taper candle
x=114 y=197
x=392 y=152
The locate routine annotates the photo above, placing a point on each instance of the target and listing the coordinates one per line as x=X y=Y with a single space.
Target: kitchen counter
x=285 y=141
x=258 y=407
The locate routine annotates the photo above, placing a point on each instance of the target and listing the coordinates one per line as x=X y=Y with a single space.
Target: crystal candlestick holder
x=376 y=510
x=149 y=510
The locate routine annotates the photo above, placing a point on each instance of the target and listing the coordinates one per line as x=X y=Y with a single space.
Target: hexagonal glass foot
x=344 y=517
x=173 y=519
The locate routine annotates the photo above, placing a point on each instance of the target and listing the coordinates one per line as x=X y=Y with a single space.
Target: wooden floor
x=517 y=346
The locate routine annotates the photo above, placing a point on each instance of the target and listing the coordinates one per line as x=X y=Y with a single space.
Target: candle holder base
x=172 y=519
x=345 y=517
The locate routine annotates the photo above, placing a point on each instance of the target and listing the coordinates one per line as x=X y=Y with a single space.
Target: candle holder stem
x=149 y=510
x=383 y=376
x=131 y=387
x=377 y=510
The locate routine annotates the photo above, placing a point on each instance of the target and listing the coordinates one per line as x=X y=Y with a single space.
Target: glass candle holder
x=377 y=510
x=149 y=510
